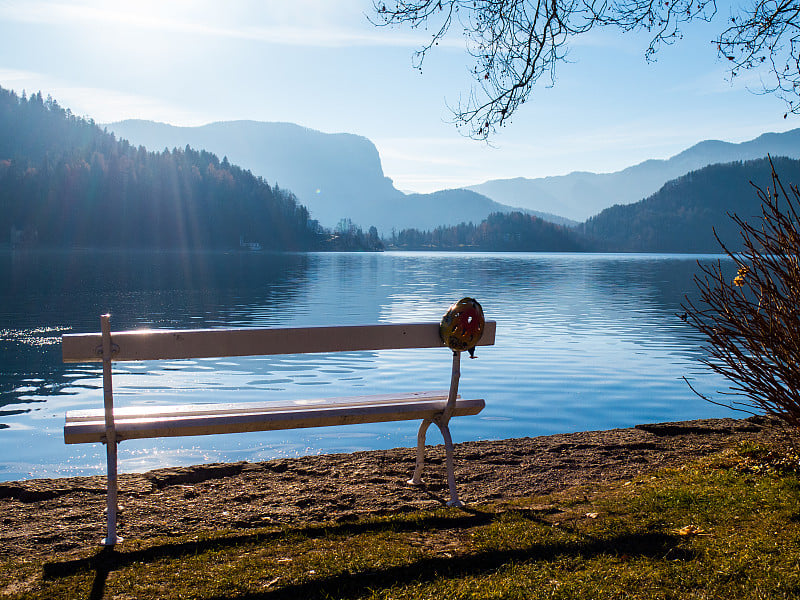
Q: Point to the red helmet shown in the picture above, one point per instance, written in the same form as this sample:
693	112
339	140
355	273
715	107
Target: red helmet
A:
462	325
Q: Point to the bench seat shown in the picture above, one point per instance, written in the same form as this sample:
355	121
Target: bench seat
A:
86	426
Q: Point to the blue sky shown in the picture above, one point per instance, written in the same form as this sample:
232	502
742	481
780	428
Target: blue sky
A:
321	64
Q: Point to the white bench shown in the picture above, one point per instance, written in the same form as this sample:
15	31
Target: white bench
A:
102	425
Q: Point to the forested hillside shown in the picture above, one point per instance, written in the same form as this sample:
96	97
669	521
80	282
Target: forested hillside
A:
64	182
501	232
682	215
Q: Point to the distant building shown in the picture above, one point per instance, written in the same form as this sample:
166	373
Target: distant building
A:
248	245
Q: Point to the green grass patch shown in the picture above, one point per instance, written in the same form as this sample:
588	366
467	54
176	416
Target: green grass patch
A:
725	527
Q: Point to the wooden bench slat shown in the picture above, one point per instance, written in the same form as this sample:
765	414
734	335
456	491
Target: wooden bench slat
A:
278	418
213	343
182	410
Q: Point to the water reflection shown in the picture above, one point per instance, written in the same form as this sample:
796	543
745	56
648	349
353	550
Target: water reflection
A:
584	342
49	293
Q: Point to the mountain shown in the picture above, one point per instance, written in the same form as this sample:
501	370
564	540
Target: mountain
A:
683	215
327	172
336	175
444	208
580	195
66	183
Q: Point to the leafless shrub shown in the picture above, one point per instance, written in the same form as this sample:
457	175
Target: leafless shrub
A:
752	322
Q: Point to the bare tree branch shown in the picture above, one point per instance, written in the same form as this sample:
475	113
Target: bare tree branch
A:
768	33
516	44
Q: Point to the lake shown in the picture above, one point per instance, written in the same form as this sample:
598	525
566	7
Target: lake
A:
584	341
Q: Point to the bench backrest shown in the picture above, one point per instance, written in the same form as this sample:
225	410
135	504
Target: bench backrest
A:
154	344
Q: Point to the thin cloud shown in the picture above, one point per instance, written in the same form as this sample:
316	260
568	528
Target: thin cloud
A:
15	75
325	34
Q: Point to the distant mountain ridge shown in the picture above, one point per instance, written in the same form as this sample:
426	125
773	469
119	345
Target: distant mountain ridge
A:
335	175
684	214
339	175
681	217
580	195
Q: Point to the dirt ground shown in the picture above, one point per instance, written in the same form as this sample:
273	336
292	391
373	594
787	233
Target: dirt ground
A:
44	515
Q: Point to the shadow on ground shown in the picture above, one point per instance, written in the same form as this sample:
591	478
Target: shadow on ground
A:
353	585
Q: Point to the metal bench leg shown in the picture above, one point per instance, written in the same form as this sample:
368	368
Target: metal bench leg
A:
441	421
416	479
111	538
111	436
451	475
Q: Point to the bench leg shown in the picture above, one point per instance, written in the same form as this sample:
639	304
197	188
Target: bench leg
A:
111	435
451	475
416	479
448	445
111	538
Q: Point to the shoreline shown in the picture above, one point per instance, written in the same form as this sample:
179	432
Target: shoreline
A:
44	515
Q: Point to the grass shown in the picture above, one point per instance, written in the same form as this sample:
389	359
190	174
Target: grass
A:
725	527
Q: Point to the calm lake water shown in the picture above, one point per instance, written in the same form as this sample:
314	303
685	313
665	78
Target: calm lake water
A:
584	341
